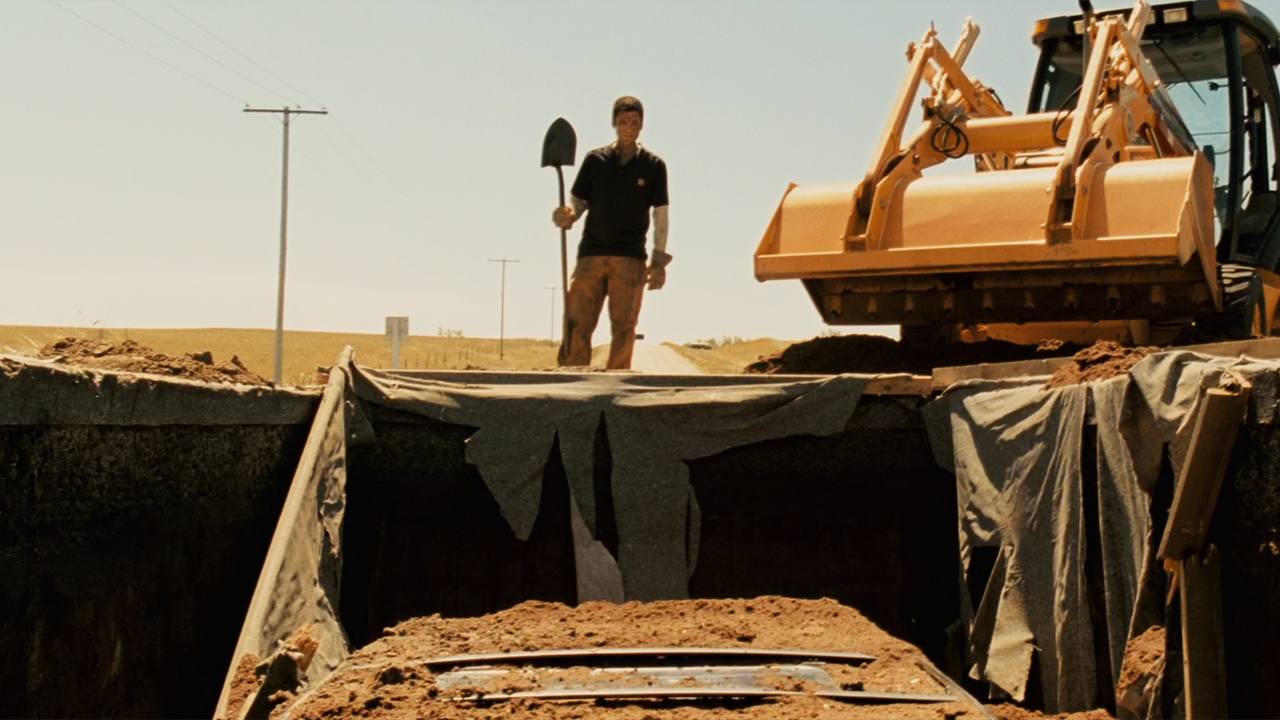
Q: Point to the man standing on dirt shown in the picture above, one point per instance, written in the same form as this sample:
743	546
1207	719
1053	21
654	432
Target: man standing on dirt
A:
616	187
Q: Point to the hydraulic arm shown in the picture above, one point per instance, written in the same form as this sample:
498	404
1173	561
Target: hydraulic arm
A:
1104	210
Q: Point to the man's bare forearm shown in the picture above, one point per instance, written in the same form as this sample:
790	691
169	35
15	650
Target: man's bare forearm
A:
566	216
661	223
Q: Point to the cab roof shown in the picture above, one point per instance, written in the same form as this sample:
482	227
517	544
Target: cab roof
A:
1196	11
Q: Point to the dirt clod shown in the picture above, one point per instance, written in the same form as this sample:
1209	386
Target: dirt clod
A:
1102	360
390	676
1142	671
129	356
1009	711
244	683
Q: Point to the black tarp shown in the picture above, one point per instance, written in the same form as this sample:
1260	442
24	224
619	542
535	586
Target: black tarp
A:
1017	450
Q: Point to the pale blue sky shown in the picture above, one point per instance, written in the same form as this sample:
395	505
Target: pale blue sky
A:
133	195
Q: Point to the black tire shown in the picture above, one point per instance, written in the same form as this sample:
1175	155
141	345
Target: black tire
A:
1244	306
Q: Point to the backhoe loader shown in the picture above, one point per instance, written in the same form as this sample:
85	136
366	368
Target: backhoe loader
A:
1137	192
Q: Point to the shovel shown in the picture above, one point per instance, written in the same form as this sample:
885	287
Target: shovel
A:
558	149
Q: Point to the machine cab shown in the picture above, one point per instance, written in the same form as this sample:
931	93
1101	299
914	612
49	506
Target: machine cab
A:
1216	59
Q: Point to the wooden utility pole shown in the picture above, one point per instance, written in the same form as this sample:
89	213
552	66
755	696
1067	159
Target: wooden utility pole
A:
502	326
285	111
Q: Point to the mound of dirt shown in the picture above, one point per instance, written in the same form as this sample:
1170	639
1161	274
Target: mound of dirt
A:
1103	360
388	678
876	354
129	356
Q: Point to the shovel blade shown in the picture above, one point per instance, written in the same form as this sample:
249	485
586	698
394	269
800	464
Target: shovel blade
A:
560	145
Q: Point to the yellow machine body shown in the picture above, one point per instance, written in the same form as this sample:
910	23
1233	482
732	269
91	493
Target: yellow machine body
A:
1113	222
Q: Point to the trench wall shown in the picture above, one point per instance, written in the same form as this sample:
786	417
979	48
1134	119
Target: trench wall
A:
129	544
135	516
423	535
865	517
1246	529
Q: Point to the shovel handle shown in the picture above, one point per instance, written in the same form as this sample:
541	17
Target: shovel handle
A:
564	269
564	248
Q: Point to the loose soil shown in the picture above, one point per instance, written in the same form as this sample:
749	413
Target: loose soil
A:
1103	360
243	683
1009	711
129	356
876	354
1142	668
387	679
1143	656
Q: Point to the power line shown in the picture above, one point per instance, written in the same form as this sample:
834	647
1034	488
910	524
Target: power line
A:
246	57
327	137
144	52
339	184
404	219
336	182
267	122
371	160
255	64
341	127
196	49
353	163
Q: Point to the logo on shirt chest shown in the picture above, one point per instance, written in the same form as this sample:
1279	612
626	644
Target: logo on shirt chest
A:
640	182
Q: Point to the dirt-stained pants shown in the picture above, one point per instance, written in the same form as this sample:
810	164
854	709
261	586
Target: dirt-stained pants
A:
622	280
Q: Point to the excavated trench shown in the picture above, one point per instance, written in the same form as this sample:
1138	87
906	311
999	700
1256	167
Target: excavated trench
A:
137	515
864	517
134	517
1246	527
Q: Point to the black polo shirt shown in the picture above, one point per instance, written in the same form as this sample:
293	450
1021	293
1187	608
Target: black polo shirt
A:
618	200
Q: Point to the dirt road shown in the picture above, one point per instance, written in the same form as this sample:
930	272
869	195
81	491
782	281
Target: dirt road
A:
661	360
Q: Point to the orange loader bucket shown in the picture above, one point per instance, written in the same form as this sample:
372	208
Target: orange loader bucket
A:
1113	222
979	240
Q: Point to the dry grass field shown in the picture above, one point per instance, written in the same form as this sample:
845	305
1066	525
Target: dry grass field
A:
731	357
305	351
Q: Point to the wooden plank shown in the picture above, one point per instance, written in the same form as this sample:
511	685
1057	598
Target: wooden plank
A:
895	384
1203	658
945	377
899	385
1222	410
1262	348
